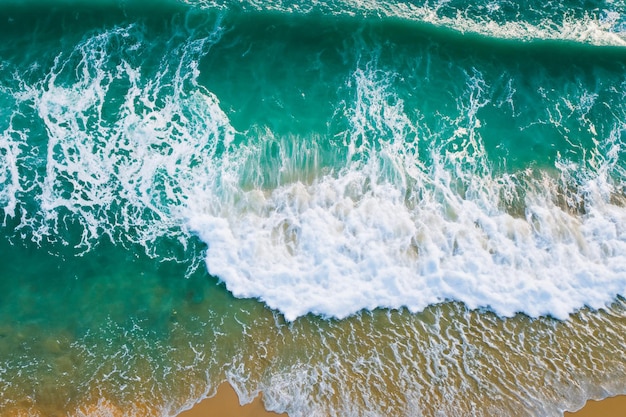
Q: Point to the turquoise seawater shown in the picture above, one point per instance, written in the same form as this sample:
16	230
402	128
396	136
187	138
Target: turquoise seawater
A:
359	208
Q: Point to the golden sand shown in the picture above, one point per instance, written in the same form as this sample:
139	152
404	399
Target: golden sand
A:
226	404
609	407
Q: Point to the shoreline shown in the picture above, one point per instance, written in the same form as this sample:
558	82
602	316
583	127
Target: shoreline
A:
608	407
225	403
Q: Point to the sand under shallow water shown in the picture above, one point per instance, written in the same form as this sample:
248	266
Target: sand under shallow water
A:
226	404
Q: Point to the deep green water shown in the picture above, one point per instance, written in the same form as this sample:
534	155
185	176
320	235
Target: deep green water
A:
358	208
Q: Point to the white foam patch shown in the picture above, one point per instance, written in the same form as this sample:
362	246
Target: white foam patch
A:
558	23
125	174
588	29
11	142
9	175
336	247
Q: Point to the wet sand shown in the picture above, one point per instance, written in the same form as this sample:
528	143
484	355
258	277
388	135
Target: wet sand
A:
226	404
610	407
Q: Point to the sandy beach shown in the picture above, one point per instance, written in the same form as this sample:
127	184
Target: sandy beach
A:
226	404
609	407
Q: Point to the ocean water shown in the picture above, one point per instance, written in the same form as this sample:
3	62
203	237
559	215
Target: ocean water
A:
358	208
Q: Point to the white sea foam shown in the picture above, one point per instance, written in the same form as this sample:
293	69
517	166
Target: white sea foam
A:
556	23
9	176
122	175
588	29
11	141
336	247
